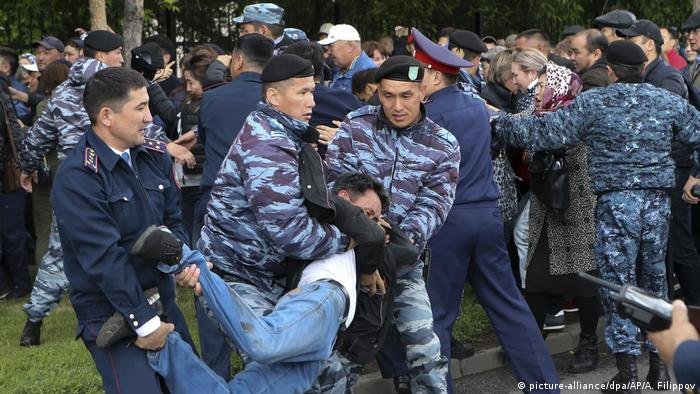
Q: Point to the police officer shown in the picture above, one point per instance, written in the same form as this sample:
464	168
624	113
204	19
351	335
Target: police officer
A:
468	46
109	189
266	19
615	19
628	127
470	246
682	254
417	161
60	127
256	219
222	113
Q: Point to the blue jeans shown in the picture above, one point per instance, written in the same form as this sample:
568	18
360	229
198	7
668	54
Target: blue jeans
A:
279	339
184	372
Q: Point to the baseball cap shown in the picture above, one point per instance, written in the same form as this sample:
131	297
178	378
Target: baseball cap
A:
325	28
269	13
643	27
341	33
49	42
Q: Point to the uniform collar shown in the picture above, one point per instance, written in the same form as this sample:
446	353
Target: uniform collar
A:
298	129
107	156
451	89
415	126
249	76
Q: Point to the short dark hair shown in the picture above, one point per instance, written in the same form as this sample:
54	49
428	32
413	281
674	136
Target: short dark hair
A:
628	73
361	79
359	183
89	52
110	87
310	51
255	48
536	34
9	56
446	31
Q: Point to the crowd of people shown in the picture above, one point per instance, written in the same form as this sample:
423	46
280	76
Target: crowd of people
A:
328	198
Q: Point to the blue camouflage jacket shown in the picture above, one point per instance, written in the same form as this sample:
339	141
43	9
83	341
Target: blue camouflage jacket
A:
64	120
257	217
418	166
628	128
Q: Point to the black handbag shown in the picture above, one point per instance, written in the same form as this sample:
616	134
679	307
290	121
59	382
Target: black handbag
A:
550	179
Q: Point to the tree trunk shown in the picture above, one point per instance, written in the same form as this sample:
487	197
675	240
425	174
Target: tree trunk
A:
696	5
133	27
98	15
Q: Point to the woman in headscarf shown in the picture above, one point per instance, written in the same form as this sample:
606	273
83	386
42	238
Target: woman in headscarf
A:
561	241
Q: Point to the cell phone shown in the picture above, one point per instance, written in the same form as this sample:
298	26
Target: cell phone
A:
695	191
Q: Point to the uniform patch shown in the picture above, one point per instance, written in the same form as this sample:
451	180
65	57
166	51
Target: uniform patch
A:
413	73
156	145
91	160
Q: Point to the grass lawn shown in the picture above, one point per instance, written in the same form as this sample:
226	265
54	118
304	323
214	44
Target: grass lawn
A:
63	365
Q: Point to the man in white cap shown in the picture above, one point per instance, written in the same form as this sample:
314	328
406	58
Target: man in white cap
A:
344	43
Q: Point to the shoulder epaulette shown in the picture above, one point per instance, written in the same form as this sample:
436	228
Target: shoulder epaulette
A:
156	145
91	160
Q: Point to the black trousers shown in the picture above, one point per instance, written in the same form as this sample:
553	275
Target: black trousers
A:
682	256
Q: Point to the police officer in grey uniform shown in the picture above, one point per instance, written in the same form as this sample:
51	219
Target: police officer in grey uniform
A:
628	127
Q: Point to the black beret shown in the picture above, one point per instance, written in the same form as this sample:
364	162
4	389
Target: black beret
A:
400	68
619	19
103	40
467	40
286	66
625	53
692	23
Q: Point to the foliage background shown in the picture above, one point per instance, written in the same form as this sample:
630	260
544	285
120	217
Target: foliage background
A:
188	21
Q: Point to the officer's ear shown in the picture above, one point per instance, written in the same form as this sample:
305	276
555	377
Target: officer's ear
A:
105	116
272	95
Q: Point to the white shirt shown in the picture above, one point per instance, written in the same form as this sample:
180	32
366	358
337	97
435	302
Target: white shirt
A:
339	267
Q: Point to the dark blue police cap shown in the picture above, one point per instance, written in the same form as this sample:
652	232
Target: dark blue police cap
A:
436	57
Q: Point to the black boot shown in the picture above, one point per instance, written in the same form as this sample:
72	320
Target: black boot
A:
626	375
586	354
116	327
158	243
658	373
31	335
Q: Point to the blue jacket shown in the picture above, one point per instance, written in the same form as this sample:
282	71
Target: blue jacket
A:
101	207
221	116
628	128
467	119
663	76
685	363
343	79
332	104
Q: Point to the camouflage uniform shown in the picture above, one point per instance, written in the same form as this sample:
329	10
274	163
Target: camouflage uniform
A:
628	129
419	168
256	218
59	127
